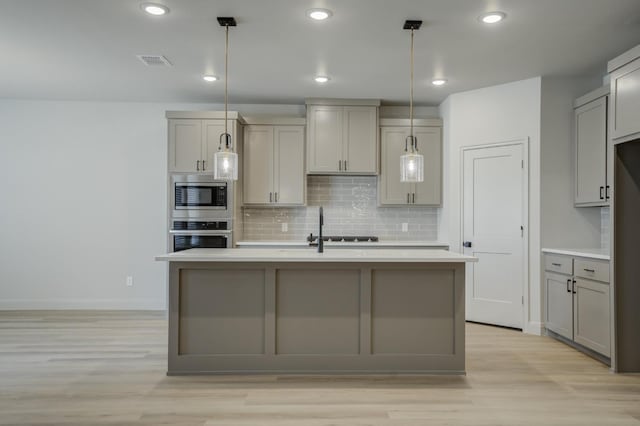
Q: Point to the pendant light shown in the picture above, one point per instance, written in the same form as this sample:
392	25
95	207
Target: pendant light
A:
225	160
411	162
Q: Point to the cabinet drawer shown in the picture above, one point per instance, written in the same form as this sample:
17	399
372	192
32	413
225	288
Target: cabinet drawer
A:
592	269
558	264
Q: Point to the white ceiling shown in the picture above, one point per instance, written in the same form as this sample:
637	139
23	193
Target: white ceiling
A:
86	49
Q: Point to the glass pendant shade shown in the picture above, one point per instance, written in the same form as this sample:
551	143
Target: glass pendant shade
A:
411	167
225	165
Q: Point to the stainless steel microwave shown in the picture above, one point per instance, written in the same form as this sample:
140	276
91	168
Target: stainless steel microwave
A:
201	196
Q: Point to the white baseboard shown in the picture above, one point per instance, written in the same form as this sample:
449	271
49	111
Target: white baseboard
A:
534	327
80	304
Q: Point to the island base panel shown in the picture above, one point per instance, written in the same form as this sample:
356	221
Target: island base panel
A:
235	318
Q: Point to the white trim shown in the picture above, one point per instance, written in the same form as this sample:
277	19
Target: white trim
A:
534	327
527	326
91	304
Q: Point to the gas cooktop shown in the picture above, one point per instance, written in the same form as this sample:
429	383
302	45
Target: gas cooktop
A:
343	239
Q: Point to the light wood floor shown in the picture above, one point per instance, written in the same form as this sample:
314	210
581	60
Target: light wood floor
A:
88	368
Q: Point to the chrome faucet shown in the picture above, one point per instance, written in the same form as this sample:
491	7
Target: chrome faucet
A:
320	241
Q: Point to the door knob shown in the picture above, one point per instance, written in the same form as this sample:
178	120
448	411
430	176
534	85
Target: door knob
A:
467	244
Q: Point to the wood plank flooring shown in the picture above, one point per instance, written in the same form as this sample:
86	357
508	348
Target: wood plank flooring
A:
87	368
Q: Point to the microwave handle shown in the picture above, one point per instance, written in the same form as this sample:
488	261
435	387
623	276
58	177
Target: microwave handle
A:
202	233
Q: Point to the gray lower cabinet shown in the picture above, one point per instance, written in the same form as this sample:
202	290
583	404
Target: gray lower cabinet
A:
577	303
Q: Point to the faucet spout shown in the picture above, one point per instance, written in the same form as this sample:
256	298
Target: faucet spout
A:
320	240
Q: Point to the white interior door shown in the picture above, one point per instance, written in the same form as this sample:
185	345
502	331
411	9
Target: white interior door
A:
494	194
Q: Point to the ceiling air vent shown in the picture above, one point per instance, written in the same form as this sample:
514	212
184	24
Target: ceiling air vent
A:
154	60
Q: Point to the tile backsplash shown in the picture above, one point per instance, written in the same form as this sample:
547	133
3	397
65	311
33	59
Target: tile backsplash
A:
349	209
605	234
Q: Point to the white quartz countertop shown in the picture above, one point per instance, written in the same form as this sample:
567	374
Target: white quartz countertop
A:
311	255
363	244
593	253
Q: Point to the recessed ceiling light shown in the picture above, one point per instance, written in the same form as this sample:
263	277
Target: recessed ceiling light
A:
492	17
321	79
154	9
438	81
210	78
319	14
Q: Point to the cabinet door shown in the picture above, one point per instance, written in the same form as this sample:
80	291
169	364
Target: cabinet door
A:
625	102
212	129
429	192
289	178
559	304
591	315
185	145
591	152
390	190
360	147
258	165
324	150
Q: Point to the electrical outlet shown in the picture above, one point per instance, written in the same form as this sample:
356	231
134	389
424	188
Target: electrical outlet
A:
129	281
285	227
405	227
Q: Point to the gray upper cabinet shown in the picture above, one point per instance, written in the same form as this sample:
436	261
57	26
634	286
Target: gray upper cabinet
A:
590	132
342	139
274	165
193	141
392	192
625	96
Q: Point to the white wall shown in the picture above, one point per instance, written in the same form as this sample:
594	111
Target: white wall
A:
491	115
84	202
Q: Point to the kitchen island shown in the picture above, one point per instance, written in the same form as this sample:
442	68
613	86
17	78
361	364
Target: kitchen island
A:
299	311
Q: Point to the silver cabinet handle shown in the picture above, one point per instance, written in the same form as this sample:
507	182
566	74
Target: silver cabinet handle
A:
203	163
413	198
345	165
276	197
557	264
198	165
590	270
271	197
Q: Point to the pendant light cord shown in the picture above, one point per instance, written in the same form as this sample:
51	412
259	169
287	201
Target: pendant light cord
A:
226	80
411	97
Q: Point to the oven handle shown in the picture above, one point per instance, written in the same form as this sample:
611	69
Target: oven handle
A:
188	232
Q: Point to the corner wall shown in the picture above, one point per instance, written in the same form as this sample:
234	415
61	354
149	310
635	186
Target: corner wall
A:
491	115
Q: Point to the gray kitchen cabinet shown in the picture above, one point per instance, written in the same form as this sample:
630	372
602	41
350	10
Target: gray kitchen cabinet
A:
590	133
625	95
274	165
192	142
392	192
342	139
577	303
559	304
591	315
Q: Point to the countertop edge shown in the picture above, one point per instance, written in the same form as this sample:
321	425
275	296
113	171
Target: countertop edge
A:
578	253
295	256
